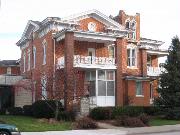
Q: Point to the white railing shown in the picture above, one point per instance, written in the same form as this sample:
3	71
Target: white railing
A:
9	80
89	62
154	71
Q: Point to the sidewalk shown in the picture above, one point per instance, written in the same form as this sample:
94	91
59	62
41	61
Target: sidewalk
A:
143	130
112	131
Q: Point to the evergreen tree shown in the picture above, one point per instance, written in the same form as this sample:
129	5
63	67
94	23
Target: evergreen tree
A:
169	89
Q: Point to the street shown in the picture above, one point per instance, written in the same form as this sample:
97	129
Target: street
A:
165	133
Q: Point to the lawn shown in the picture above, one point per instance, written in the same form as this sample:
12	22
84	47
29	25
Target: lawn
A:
160	122
29	124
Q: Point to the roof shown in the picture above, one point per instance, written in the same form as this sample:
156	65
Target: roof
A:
5	63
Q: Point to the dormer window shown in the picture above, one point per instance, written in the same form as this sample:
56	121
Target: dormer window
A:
127	24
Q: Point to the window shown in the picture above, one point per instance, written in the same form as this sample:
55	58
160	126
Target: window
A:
149	61
91	78
134	35
44	51
111	51
9	70
106	83
131	57
127	24
24	64
34	57
44	87
133	25
139	91
29	59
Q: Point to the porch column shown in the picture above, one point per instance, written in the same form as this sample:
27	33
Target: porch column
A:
120	53
144	62
69	73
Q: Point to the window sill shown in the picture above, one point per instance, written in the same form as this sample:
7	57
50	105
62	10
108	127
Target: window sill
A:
140	96
133	67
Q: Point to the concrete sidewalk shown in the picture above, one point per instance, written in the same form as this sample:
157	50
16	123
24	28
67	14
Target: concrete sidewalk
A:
116	131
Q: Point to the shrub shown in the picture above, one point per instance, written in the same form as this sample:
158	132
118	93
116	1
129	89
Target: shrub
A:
27	109
2	111
101	113
15	111
173	114
66	116
2	122
45	108
119	120
151	110
132	111
144	118
86	123
132	122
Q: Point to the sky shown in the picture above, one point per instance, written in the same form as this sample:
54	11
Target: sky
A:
160	19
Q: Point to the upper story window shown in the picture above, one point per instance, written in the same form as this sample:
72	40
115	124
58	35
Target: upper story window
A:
8	70
133	25
29	59
34	57
44	51
131	57
24	63
149	61
111	51
134	35
127	24
92	26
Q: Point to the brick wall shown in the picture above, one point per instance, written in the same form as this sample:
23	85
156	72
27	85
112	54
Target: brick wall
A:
15	70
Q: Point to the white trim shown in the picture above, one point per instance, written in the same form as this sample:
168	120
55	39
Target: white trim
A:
29	59
93	13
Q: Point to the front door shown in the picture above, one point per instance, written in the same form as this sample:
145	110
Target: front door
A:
92	55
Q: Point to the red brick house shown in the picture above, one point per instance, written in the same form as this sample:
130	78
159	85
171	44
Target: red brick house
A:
91	54
9	75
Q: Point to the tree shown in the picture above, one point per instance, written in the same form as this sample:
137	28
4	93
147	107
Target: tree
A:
169	88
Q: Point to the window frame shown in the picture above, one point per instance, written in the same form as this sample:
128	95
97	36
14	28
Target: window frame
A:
34	57
130	56
44	43
24	62
29	60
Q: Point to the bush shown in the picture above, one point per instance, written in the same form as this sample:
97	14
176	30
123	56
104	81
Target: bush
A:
2	111
133	122
151	110
27	110
15	111
119	120
86	123
132	111
144	118
173	114
101	113
66	116
45	108
2	122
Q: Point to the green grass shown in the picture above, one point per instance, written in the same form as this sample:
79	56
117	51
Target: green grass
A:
160	122
29	124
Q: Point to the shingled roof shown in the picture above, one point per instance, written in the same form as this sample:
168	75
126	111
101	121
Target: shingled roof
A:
9	63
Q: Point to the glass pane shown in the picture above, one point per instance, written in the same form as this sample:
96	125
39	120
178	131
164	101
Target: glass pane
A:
133	62
93	75
92	88
139	88
101	88
128	62
133	53
128	53
110	88
111	51
110	75
87	76
101	74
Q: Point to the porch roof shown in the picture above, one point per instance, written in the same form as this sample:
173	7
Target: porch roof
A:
90	36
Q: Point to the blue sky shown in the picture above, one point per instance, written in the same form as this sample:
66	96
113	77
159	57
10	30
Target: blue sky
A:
160	19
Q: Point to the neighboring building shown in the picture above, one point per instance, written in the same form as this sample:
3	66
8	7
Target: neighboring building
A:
91	54
9	75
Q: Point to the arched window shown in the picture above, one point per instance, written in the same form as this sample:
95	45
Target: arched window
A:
34	57
127	24
44	51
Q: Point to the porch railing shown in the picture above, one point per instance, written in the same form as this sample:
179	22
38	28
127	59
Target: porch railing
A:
85	61
154	71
